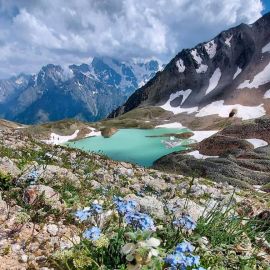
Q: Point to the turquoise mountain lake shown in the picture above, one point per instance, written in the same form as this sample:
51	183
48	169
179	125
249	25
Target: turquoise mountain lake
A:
131	145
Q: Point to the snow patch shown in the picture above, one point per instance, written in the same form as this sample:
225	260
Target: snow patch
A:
19	80
200	135
213	82
180	65
211	48
202	68
260	79
58	139
244	112
266	48
238	71
228	40
93	132
257	142
197	155
170	125
267	94
185	93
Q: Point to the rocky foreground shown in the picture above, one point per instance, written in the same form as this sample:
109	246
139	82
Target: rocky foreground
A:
42	187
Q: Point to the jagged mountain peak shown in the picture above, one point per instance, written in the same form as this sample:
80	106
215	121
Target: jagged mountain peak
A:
77	91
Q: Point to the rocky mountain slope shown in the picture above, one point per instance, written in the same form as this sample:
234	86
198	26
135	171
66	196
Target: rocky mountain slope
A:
46	193
227	76
78	92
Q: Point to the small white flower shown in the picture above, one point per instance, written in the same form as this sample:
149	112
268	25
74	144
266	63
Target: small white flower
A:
128	248
152	242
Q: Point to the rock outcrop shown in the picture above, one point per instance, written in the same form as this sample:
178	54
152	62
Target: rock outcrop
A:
239	163
108	132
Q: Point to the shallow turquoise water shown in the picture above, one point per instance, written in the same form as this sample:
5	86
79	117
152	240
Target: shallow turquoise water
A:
131	145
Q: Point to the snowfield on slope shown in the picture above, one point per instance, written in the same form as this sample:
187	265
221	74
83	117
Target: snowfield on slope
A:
214	80
211	48
180	65
266	48
200	135
257	142
217	108
244	112
170	125
197	155
93	132
228	40
260	79
58	139
267	94
185	94
202	68
238	71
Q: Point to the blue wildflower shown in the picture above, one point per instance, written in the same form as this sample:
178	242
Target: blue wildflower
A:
140	221
192	260
87	212
124	206
92	233
96	208
83	214
182	258
186	222
185	246
176	259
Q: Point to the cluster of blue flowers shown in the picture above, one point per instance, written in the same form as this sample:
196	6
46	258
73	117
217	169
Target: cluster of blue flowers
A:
185	222
182	258
127	208
140	221
92	233
124	206
86	213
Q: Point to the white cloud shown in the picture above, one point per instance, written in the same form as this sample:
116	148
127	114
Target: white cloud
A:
64	32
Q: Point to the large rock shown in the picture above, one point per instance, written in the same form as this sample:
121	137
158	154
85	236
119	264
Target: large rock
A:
52	173
258	128
150	205
186	206
7	166
218	145
108	132
51	197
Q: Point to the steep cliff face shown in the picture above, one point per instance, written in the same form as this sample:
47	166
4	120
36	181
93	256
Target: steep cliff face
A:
230	73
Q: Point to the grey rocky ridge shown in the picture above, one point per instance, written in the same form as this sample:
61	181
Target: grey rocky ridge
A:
228	75
78	91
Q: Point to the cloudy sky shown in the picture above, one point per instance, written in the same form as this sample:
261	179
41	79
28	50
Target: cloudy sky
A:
37	32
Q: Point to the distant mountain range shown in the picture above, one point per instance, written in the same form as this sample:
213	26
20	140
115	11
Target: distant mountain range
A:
227	76
85	92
